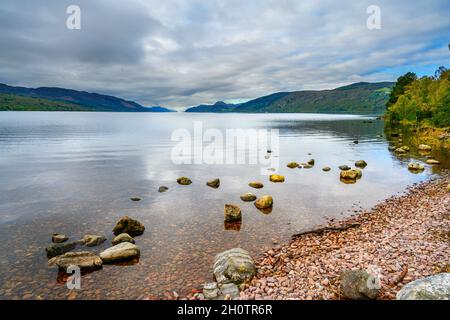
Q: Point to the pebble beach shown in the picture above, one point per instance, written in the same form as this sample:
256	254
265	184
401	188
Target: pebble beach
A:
403	239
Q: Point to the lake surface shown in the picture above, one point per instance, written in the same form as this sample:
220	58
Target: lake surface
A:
74	173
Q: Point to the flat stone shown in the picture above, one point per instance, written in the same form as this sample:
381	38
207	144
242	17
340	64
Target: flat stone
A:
59	238
123	237
84	260
59	249
120	252
91	240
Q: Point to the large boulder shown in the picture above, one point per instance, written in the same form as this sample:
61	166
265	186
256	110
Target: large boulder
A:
232	213
264	202
276	178
123	237
130	226
92	240
120	252
59	249
215	183
359	285
84	260
234	265
435	287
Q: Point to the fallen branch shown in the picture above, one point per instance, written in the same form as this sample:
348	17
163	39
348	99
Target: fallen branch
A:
328	228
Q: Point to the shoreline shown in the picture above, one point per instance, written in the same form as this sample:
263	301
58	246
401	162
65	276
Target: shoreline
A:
405	237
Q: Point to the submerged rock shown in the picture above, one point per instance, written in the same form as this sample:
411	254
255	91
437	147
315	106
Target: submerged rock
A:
276	178
215	183
120	252
163	189
424	147
361	164
123	237
415	166
59	238
233	225
435	287
232	213
344	167
184	181
91	240
256	184
359	285
292	165
264	202
130	226
59	249
234	265
248	196
326	169
84	260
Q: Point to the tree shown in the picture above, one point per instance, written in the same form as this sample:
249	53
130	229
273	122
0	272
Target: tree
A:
400	86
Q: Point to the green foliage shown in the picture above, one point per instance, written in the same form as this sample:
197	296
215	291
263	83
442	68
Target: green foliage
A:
423	100
400	86
11	102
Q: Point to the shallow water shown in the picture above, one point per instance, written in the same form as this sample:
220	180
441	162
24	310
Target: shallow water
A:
74	173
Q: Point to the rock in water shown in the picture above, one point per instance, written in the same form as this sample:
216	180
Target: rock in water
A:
163	189
326	169
292	165
91	240
351	174
232	213
248	197
234	265
264	202
276	178
359	285
184	181
123	237
59	238
59	249
84	260
361	164
215	183
256	184
435	287
120	252
135	199
311	162
306	166
424	147
415	166
130	226
344	167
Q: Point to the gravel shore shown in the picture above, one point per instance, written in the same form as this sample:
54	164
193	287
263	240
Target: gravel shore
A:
405	238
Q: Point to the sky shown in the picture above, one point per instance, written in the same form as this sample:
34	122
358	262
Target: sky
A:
179	53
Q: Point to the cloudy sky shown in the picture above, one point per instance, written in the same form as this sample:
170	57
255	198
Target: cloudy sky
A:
179	53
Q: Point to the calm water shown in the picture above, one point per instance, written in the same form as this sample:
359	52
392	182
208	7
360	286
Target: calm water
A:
74	173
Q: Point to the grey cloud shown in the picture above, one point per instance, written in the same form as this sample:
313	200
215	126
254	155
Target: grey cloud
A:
179	53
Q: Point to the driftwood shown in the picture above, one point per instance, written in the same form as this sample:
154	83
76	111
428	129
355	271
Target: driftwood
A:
401	276
328	228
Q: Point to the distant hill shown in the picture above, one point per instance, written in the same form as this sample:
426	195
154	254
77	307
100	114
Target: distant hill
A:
159	109
219	106
59	99
357	98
